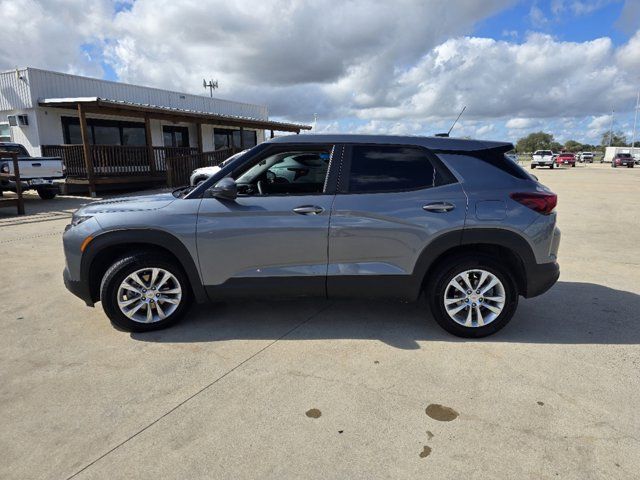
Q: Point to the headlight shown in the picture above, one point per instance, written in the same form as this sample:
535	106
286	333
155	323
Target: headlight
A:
78	219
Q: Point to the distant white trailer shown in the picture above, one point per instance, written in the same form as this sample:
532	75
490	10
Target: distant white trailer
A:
611	152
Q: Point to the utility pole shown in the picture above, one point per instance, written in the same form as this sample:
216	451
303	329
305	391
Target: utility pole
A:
611	127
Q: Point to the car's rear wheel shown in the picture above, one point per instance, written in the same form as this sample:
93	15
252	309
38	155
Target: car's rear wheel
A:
551	166
144	292
472	296
46	193
532	166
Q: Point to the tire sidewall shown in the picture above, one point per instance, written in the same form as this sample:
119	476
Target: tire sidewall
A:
126	266
446	273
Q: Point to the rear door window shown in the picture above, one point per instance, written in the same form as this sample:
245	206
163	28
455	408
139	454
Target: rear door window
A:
390	168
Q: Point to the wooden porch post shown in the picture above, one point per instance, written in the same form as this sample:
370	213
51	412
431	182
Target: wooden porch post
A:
199	136
271	133
86	149
149	142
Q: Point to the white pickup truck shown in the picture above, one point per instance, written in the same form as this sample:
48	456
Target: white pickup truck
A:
39	173
542	158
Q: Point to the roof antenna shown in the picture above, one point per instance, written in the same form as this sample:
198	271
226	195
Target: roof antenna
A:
454	124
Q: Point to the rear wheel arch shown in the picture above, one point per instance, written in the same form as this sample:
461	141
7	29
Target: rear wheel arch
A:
105	249
503	245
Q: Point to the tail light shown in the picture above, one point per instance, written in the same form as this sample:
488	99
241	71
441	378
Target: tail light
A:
543	203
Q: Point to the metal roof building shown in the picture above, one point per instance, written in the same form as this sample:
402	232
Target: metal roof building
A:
106	130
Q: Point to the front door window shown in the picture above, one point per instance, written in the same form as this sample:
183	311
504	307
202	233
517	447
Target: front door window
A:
286	173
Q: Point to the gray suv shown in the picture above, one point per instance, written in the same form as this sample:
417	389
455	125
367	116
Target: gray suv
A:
329	216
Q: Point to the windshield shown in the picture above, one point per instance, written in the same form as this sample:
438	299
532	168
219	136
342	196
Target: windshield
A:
543	152
624	155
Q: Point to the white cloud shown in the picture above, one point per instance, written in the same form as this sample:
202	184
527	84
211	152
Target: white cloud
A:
520	123
51	33
540	78
404	67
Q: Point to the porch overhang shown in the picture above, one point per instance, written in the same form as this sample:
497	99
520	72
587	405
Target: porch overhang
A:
116	107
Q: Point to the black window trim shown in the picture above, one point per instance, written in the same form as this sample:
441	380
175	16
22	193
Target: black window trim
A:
100	122
329	187
345	169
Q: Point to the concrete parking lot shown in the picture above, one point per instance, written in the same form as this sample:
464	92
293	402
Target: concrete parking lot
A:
326	389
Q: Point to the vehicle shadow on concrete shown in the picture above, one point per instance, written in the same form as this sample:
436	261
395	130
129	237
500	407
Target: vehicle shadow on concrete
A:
570	313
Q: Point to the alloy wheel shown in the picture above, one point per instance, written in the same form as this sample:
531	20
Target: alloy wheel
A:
474	298
149	295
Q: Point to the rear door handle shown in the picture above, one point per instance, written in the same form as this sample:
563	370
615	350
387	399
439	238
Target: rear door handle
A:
309	210
438	207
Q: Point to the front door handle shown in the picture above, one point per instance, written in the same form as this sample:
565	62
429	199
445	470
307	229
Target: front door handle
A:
309	210
438	207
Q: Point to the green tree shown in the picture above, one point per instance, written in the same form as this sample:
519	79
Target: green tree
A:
618	139
555	146
535	141
573	146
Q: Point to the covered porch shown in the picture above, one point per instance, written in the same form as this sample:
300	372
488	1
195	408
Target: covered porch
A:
91	162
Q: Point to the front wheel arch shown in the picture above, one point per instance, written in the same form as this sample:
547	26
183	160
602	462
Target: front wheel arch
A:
107	248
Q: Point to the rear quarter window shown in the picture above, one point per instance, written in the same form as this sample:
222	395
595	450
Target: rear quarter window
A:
496	158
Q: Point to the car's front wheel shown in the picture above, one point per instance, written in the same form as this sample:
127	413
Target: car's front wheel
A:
143	292
472	296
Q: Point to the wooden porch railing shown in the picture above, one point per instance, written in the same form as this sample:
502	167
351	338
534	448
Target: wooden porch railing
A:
15	177
179	168
119	162
115	160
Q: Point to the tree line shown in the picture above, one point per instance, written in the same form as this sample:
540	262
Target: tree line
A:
545	141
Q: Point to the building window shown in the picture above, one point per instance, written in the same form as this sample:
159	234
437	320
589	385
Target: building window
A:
227	138
175	136
5	132
105	132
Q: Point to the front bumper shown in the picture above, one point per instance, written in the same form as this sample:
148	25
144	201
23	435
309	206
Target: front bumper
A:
541	277
79	289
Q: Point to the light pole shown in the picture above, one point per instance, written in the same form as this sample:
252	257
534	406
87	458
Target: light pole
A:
315	122
635	119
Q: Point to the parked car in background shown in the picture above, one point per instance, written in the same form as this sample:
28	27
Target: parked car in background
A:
41	174
542	158
566	158
199	175
623	160
328	216
586	157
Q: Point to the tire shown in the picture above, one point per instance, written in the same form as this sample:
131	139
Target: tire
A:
573	165
121	269
438	287
533	167
46	193
551	166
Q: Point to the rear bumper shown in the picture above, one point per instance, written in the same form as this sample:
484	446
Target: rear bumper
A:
541	277
79	289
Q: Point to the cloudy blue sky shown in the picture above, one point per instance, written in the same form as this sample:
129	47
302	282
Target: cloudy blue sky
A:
404	67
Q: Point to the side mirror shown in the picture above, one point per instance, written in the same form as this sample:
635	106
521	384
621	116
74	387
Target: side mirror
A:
225	189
